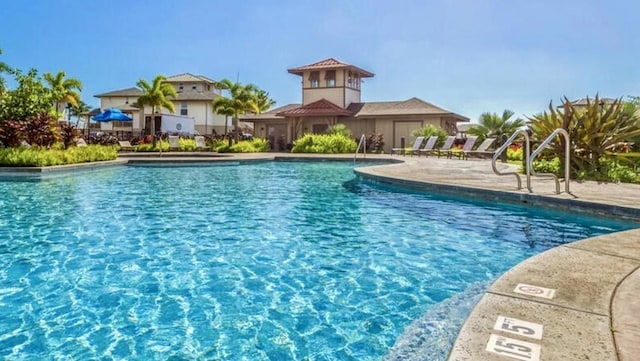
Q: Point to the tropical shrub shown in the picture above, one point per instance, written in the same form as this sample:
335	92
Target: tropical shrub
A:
515	152
41	130
431	130
552	166
324	143
257	145
375	143
68	134
492	125
42	157
594	130
11	133
339	129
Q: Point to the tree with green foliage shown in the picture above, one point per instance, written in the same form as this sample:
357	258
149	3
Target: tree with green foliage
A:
4	68
262	101
430	130
241	101
63	91
157	95
80	110
28	100
492	125
339	129
595	130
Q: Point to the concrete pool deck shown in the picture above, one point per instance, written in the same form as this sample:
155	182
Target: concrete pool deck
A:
579	301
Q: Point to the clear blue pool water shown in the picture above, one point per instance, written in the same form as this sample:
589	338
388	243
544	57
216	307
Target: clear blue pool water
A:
265	261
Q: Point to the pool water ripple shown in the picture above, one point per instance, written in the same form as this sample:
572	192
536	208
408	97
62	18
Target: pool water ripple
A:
268	261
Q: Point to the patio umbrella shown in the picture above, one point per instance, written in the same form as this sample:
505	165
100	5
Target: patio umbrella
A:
112	114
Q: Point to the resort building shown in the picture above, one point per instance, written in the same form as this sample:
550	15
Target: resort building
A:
331	94
195	96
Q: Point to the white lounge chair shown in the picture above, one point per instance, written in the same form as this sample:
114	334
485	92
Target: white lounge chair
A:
200	143
446	147
80	142
428	147
416	146
460	153
174	142
125	146
481	150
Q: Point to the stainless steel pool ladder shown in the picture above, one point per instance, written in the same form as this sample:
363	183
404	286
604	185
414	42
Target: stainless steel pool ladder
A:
520	131
529	157
567	159
362	143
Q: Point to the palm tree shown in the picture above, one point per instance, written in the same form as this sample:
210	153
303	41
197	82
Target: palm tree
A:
242	100
493	125
79	110
63	90
262	101
157	96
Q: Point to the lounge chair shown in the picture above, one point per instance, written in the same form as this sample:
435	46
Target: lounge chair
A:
125	146
468	146
481	150
416	146
200	143
174	142
428	147
80	142
446	147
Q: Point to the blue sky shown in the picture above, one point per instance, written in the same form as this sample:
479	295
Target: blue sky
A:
468	56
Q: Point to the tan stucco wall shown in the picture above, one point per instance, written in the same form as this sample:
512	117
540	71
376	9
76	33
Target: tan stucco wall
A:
351	96
339	95
334	95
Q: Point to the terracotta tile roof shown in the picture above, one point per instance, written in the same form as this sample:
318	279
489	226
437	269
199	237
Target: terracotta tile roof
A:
270	115
129	92
321	107
412	106
330	63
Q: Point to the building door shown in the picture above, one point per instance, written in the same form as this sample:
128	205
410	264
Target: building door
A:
277	136
404	130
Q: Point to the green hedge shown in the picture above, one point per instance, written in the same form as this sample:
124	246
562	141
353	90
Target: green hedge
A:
42	157
324	143
257	145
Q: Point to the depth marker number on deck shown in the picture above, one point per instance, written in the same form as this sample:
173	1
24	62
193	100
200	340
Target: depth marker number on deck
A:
518	327
510	347
535	291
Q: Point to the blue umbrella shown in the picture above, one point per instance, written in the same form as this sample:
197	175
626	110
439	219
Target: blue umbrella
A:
112	114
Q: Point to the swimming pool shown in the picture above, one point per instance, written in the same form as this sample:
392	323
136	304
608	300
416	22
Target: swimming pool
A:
264	261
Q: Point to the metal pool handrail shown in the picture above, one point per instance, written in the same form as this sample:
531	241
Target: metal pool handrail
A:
567	159
524	131
363	143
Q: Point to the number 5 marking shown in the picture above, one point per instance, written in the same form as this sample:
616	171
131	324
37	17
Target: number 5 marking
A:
519	327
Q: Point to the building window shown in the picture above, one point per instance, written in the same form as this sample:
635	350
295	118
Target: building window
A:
314	78
356	81
320	128
349	79
183	109
330	77
193	87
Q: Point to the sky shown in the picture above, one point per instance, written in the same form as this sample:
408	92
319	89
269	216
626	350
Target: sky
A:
467	56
